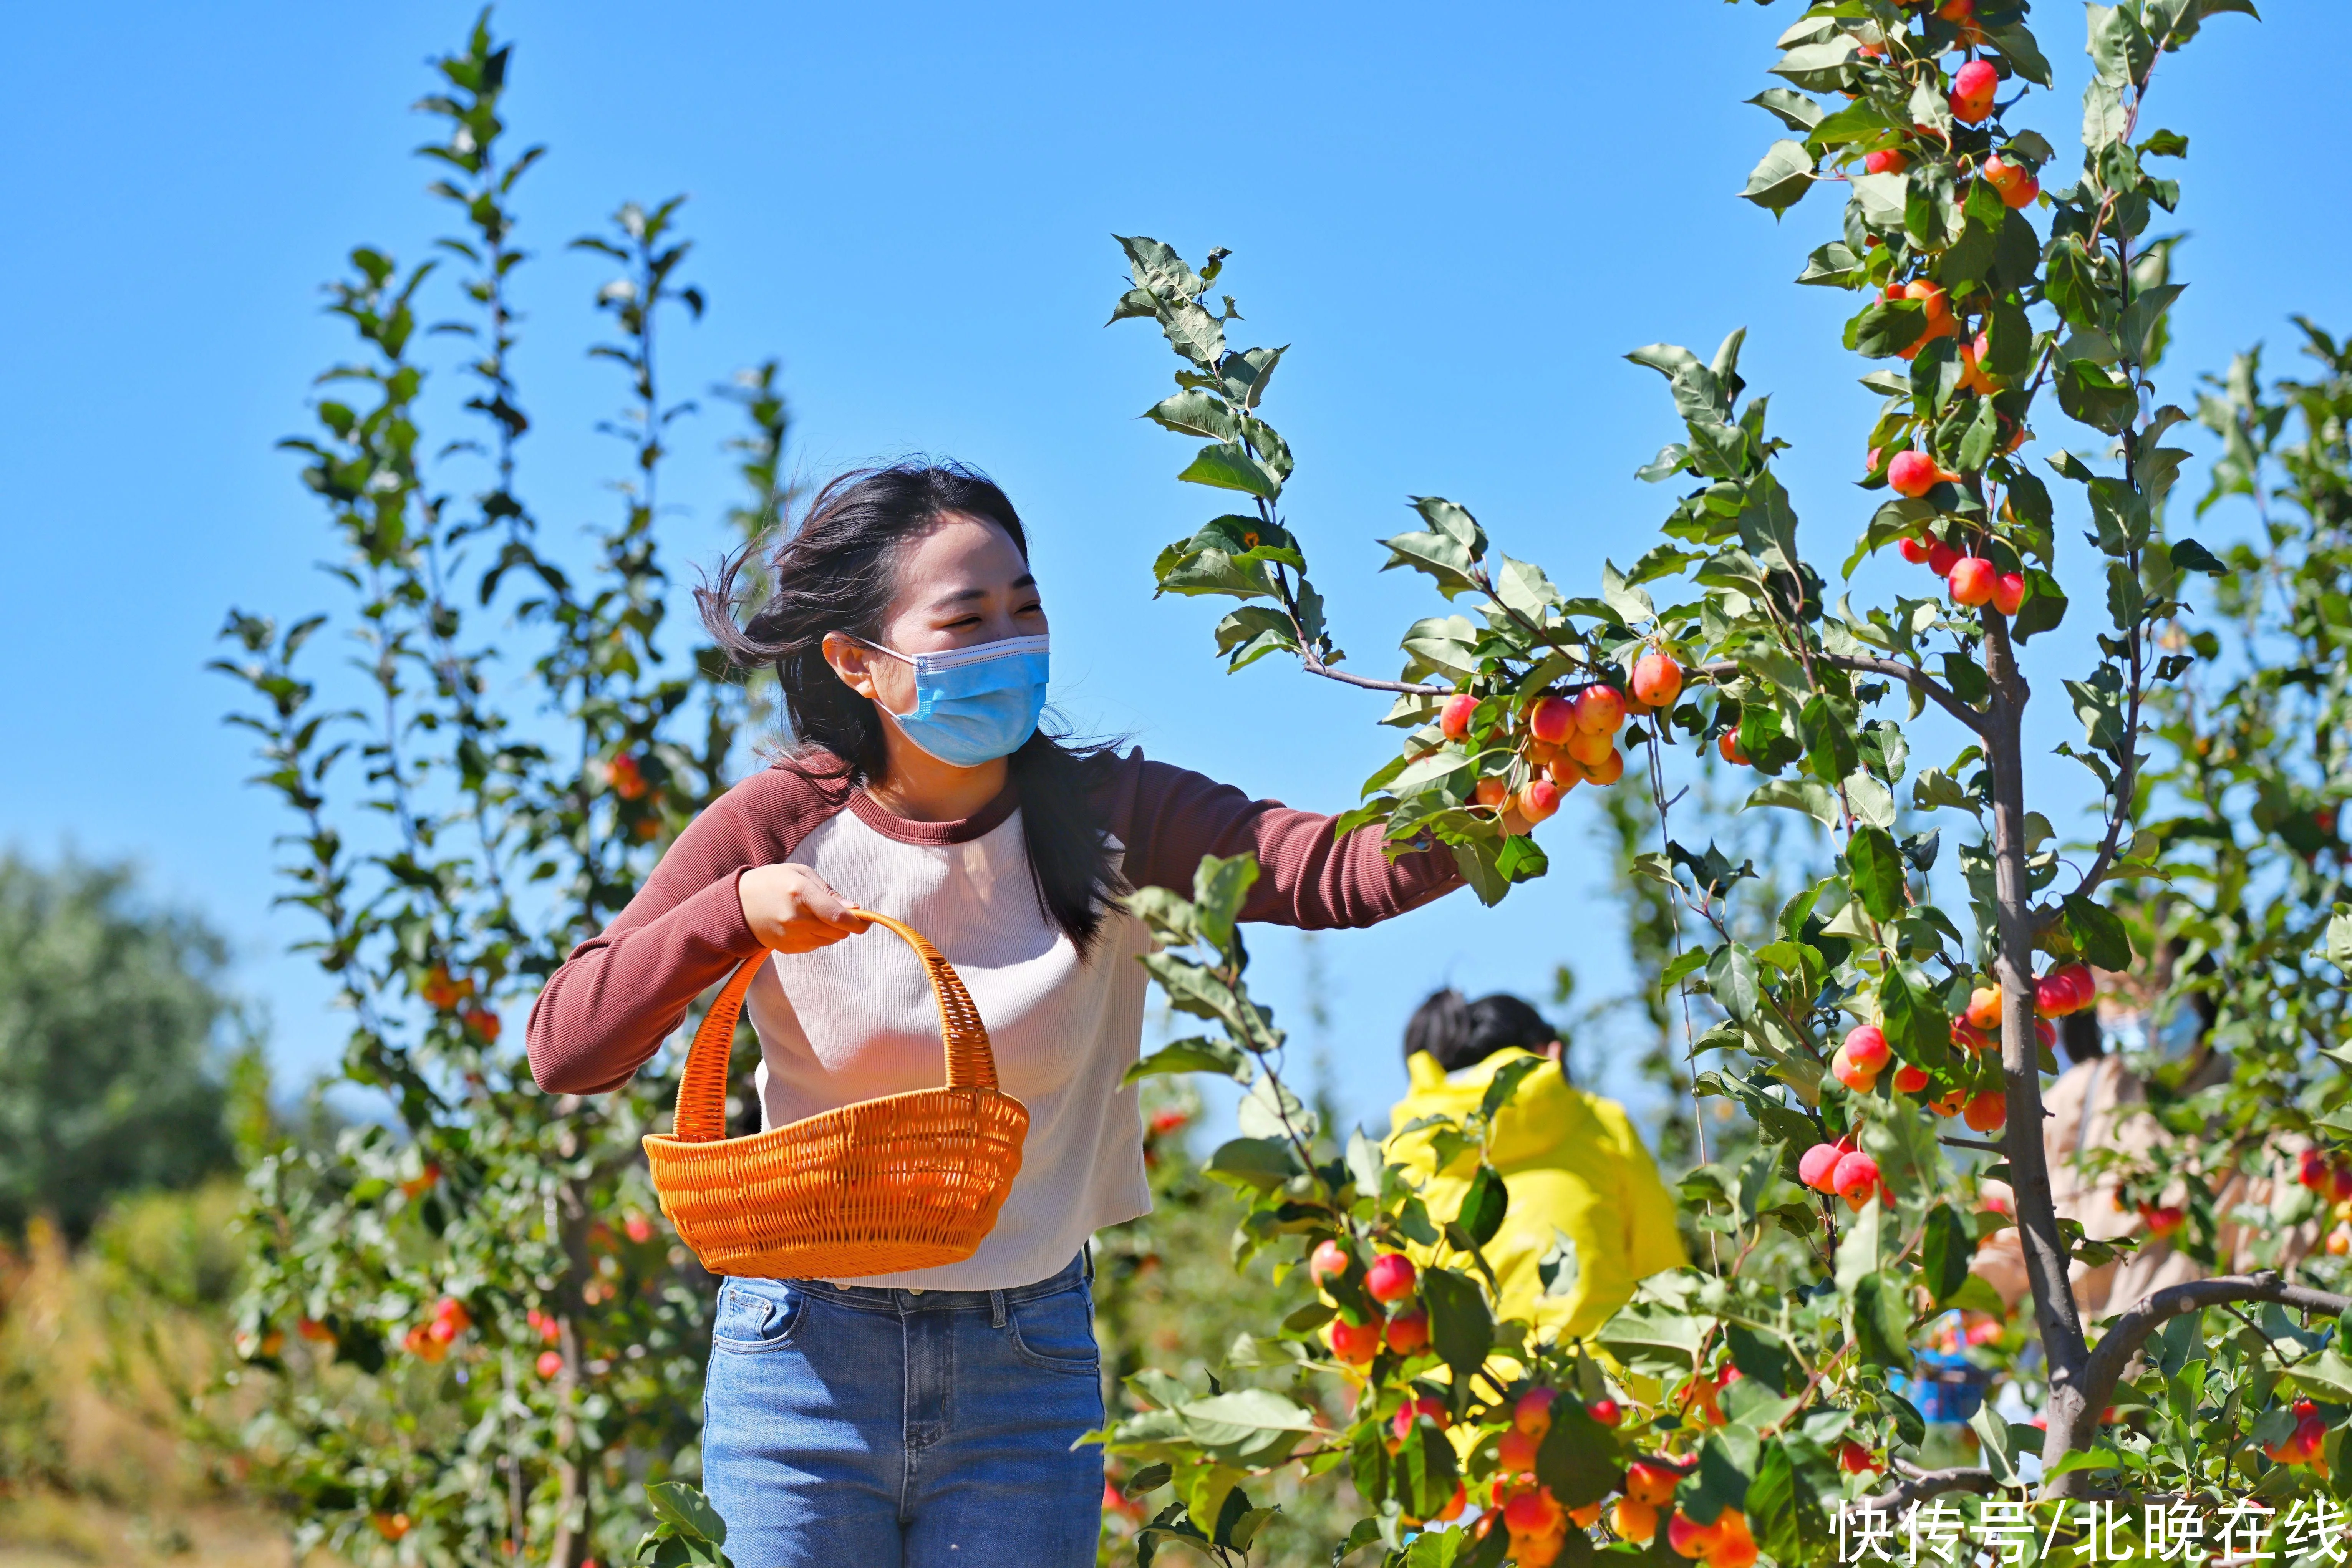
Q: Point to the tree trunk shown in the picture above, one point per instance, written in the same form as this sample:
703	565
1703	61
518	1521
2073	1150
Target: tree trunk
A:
2047	1261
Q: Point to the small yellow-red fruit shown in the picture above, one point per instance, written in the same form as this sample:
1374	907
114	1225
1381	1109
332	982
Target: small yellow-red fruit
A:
1972	581
1912	473
1408	1332
1390	1278
1973	87
1453	719
1551	720
1866	1047
1600	709
1657	678
1635	1520
1650	1482
1355	1343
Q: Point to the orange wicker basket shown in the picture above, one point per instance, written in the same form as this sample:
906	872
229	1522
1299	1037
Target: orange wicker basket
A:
908	1181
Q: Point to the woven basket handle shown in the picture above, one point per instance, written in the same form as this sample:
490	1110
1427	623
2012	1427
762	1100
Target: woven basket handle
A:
702	1084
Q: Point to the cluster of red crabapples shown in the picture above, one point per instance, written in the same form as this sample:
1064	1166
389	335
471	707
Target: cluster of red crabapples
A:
1564	741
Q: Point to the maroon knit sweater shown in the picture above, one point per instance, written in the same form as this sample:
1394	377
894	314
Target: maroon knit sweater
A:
621	993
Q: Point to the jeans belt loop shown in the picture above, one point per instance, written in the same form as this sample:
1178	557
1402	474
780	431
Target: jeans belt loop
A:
996	1308
1087	1254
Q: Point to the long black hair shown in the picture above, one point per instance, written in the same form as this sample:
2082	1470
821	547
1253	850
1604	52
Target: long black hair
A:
837	571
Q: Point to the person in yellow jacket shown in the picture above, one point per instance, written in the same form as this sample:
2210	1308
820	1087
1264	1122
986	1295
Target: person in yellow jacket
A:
1571	1162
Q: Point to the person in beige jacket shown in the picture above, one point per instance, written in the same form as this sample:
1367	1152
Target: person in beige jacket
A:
2098	1103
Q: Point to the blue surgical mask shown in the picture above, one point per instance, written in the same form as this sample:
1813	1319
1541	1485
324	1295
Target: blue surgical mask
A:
973	705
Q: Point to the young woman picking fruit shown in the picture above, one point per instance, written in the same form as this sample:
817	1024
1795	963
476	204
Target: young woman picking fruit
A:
927	1417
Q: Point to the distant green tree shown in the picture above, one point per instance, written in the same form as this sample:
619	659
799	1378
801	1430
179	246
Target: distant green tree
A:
110	1010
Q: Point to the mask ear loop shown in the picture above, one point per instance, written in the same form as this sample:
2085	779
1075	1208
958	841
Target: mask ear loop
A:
875	646
855	641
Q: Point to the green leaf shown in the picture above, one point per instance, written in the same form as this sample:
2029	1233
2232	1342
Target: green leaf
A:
1653	1338
2099	934
1243	375
1885	328
1194	412
1881	1320
2339	945
1914	1020
2044	607
1248	1420
1505	1083
2089	392
1819	68
1477	862
1192	332
2017	44
1155	265
2328	1378
1196	1054
1484	1206
1577	1459
1433	1549
2001	1441
1250	633
1270	1111
2120	47
1858	1248
1221	886
1782	178
1522	586
2082	1459
1759	1356
1461	1329
1832	265
1261	1162
1734	981
1441	556
1793	109
1227	465
1629	601
1977	441
2099	706
1946	1251
1877	869
1786	1513
1426	1470
2187	555
1726	1468
1806	794
687	1511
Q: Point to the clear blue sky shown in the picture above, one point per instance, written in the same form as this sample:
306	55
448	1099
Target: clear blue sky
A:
1460	220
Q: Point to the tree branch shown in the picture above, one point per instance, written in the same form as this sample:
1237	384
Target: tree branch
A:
1921	1485
1918	679
1927	685
1315	665
2131	1332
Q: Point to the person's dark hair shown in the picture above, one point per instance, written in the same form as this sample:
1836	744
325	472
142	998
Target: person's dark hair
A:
1461	1033
2079	1033
837	571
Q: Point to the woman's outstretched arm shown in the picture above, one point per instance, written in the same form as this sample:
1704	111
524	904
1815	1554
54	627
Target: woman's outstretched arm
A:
1310	877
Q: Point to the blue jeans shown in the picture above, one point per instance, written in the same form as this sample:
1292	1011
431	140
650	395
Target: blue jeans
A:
856	1428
